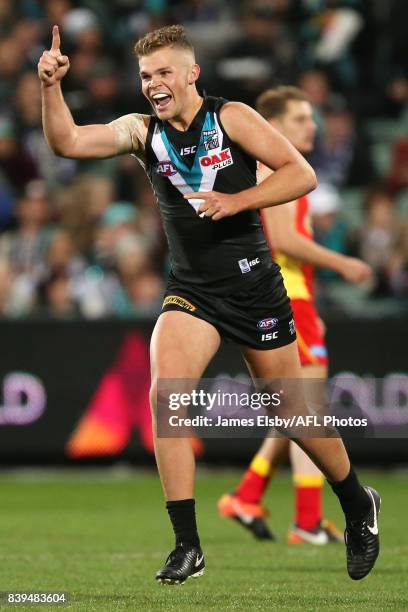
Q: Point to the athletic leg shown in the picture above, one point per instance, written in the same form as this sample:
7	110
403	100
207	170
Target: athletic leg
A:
329	454
309	525
360	505
182	346
308	482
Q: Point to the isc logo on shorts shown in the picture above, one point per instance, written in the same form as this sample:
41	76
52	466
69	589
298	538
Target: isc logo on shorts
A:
269	337
217	161
179	301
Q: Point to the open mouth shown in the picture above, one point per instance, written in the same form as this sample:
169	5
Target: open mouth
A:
161	101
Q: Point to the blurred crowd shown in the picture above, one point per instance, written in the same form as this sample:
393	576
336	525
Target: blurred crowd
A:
85	239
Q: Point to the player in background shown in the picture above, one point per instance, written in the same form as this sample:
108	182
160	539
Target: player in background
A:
290	236
200	154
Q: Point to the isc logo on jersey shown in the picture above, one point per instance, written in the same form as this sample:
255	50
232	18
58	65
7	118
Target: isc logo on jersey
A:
217	161
166	168
188	150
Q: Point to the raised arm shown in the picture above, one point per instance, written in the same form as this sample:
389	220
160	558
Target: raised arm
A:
66	138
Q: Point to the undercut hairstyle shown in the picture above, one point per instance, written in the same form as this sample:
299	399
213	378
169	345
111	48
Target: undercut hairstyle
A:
273	102
169	36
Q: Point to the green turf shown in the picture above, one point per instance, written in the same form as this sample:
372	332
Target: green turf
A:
101	538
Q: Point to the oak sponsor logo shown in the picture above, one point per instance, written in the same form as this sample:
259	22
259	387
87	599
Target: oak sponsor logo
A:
217	161
166	168
176	300
268	323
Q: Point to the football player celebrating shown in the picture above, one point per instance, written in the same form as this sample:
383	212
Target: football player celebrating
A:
200	155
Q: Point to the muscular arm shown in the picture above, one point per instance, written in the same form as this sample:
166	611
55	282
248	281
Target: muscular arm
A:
292	177
65	138
280	229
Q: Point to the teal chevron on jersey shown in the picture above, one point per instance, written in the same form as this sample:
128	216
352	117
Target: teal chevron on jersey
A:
203	158
192	176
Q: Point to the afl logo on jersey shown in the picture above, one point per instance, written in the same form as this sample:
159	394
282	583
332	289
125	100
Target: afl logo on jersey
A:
166	168
268	323
217	161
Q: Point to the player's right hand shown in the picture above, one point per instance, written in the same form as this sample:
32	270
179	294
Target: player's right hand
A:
356	271
53	66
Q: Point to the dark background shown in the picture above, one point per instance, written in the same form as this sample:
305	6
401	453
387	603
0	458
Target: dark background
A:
71	358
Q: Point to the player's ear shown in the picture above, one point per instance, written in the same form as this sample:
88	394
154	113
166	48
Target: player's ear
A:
194	74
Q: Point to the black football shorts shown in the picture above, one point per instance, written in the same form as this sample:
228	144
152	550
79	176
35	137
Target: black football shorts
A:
258	317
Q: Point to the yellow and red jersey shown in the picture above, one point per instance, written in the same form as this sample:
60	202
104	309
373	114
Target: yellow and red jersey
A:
298	275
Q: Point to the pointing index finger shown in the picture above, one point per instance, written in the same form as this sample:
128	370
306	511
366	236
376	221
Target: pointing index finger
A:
56	39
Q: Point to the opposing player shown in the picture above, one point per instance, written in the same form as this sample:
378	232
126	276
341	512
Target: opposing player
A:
199	154
289	233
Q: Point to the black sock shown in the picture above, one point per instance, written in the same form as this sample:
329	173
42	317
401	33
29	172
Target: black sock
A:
353	498
183	519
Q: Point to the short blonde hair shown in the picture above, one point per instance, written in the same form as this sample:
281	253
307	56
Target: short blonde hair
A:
169	36
273	102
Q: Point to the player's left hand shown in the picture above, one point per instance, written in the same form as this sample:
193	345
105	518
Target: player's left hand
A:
217	205
356	271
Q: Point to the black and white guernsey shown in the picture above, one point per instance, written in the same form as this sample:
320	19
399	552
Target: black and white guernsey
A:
219	256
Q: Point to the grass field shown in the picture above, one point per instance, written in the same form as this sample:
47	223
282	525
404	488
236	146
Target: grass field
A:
101	538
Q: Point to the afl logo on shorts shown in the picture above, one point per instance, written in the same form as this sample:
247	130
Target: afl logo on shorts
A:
166	168
176	300
268	323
